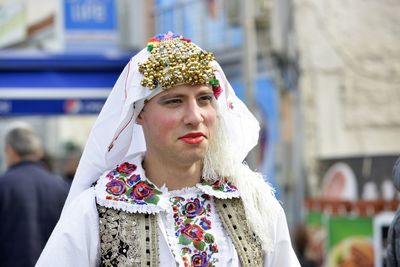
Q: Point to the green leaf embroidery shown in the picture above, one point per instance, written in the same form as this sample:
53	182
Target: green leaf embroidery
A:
153	200
184	240
199	245
209	238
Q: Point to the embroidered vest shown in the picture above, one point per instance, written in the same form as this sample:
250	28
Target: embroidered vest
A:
130	239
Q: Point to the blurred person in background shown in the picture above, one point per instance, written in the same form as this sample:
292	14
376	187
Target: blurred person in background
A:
47	160
31	199
161	180
302	245
71	161
393	246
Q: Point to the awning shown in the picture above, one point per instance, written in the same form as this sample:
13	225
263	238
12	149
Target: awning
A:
33	83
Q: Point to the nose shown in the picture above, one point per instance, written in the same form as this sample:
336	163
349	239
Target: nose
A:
193	114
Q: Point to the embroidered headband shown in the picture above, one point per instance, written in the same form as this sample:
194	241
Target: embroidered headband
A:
176	60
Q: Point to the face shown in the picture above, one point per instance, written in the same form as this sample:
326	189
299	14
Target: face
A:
179	123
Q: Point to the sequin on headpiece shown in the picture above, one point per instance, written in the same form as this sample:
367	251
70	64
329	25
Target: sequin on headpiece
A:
176	60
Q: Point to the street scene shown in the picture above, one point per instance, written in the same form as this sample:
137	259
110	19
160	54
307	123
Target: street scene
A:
302	95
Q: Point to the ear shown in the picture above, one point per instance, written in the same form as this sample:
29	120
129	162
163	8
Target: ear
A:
139	119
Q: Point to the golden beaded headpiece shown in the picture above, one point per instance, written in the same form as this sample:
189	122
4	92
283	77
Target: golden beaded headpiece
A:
176	60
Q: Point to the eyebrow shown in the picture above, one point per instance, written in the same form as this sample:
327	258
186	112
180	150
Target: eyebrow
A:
180	95
167	96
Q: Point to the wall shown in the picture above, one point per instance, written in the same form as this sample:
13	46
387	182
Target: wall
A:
350	78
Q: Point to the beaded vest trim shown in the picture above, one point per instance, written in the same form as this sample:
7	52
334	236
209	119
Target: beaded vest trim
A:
127	239
247	244
130	239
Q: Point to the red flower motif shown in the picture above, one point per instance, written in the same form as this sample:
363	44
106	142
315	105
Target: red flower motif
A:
126	168
193	232
199	259
214	248
133	179
192	209
116	187
217	91
142	191
205	224
206	196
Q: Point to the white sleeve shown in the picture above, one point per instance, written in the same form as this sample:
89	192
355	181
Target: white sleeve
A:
283	254
75	240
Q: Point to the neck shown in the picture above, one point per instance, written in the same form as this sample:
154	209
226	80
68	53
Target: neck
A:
174	176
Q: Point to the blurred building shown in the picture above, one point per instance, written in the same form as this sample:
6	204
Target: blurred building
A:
339	75
238	33
348	56
60	59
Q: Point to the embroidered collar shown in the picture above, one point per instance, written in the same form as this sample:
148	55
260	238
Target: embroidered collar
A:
126	187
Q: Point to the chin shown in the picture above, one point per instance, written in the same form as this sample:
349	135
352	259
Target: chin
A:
191	157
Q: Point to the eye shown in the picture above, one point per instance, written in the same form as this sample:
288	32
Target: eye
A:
171	101
205	98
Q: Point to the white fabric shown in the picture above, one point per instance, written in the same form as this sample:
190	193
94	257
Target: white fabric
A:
116	125
75	240
166	223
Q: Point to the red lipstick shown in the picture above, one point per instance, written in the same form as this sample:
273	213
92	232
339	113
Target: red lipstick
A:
193	138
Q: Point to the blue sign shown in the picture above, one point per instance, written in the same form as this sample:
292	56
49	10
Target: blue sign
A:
20	107
90	15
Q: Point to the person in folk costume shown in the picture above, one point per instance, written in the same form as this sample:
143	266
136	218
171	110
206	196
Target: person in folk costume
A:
162	181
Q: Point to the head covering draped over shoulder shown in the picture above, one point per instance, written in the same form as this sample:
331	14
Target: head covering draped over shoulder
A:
168	60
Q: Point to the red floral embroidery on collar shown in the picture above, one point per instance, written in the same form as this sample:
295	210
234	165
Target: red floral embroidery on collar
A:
126	186
221	185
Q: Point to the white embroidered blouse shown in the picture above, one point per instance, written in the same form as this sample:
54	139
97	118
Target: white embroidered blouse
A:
190	231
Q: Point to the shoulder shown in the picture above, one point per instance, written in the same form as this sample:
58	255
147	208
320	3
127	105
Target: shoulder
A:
9	180
81	210
75	239
126	188
263	210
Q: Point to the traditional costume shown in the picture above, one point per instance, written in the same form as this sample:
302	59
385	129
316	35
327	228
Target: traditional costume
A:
230	218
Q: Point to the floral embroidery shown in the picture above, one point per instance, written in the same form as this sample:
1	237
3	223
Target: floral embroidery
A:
116	187
222	185
126	186
193	230
126	168
192	209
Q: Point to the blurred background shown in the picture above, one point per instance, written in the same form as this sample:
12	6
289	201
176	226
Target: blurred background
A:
322	77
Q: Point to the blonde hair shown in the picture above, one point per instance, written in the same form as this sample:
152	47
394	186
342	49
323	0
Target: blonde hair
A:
257	195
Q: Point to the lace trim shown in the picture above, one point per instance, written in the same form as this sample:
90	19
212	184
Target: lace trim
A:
180	192
131	208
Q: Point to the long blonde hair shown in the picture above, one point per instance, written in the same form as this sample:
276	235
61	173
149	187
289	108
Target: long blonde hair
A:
257	195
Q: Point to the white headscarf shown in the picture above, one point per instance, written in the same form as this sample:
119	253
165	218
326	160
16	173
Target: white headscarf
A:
115	136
